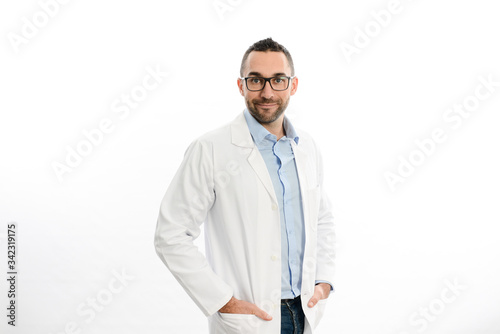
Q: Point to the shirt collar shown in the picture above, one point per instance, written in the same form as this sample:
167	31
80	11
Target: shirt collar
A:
259	133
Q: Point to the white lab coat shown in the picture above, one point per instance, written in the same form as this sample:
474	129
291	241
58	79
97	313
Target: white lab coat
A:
223	181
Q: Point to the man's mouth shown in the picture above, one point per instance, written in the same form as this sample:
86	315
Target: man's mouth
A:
266	105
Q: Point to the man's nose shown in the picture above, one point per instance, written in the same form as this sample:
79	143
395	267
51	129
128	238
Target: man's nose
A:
267	92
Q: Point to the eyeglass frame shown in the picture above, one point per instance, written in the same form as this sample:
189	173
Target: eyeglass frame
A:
266	80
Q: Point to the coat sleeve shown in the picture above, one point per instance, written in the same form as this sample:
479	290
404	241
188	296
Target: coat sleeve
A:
183	209
325	267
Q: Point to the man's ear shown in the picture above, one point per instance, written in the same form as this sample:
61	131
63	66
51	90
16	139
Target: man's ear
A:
240	86
295	83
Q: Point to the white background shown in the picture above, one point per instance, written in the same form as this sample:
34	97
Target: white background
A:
396	250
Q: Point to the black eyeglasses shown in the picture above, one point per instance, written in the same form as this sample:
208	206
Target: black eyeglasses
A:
254	84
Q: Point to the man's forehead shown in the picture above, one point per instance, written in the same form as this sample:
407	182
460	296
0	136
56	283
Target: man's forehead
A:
267	63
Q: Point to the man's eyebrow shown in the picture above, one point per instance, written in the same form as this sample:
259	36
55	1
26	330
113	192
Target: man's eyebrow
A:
258	74
254	74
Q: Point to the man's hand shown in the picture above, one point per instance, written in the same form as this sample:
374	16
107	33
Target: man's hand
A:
321	291
242	307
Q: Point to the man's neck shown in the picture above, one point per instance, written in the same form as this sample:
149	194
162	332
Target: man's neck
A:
276	128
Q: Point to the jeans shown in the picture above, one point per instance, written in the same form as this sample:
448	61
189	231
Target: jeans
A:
292	316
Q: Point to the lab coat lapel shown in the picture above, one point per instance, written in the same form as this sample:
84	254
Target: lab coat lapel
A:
301	164
259	166
240	136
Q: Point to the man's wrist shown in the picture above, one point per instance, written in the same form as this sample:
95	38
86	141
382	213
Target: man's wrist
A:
331	285
227	305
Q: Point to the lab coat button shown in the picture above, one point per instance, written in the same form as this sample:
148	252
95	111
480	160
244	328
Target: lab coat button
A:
274	207
274	257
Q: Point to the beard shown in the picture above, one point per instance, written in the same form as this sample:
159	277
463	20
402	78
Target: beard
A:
262	116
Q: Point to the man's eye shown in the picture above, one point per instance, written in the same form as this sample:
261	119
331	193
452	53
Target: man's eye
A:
278	80
255	80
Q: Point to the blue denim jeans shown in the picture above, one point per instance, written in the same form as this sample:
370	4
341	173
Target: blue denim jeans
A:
292	316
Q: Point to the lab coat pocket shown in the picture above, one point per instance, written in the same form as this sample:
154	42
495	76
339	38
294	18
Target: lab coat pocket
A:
320	310
233	323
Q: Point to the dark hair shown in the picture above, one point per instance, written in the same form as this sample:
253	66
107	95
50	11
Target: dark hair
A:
267	45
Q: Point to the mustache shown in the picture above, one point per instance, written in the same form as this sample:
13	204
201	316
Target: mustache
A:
264	100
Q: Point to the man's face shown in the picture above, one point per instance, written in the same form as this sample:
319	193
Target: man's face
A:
267	105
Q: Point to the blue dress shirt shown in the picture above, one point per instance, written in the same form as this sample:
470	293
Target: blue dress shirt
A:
280	161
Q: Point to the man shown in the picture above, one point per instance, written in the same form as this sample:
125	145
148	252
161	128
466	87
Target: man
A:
257	183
